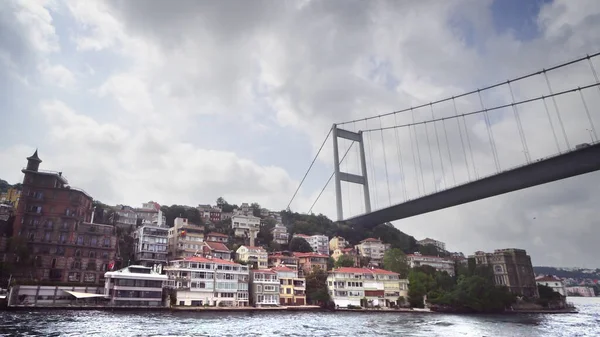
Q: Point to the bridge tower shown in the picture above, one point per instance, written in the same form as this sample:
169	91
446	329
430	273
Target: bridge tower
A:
348	177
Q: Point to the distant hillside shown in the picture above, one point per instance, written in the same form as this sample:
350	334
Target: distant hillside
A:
574	273
320	224
4	186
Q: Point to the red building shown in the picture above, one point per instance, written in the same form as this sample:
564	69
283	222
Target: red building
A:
53	221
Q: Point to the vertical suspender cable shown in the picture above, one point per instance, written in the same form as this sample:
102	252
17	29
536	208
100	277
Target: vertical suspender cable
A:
470	148
362	207
594	72
557	111
400	161
462	142
551	124
449	152
418	152
387	178
372	160
519	125
488	125
437	139
430	156
587	112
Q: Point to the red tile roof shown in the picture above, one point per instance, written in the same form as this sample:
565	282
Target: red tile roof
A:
298	254
547	279
255	247
217	234
283	269
218	246
263	271
302	235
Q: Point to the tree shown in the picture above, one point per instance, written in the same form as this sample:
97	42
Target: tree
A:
300	245
395	260
430	250
316	287
255	209
344	261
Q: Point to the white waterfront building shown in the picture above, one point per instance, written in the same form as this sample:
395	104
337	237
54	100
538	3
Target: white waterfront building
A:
134	286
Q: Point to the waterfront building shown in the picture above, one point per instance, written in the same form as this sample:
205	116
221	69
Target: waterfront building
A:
280	234
351	252
308	261
53	218
580	291
285	259
318	243
243	225
427	241
349	286
553	282
126	218
512	268
151	243
134	286
202	281
185	239
264	288
338	242
217	237
292	288
374	249
439	263
216	249
252	255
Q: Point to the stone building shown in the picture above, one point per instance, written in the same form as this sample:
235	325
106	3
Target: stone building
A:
512	268
53	221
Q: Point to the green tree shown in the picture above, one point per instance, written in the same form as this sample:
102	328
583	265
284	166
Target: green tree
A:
316	287
300	245
255	209
395	260
344	261
419	285
430	250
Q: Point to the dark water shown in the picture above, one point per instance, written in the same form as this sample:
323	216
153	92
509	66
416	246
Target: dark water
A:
99	323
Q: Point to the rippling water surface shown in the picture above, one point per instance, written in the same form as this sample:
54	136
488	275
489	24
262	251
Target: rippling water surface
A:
121	324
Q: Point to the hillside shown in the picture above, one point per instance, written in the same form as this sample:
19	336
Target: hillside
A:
320	224
4	186
572	273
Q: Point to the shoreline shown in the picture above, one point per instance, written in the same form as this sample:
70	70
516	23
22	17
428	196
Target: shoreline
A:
307	308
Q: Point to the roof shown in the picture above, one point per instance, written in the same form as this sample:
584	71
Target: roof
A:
298	254
302	235
263	271
352	270
547	278
371	240
254	247
346	250
35	157
217	234
209	260
283	269
281	256
127	273
217	246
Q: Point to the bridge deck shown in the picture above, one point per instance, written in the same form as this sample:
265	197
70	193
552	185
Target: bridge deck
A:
547	170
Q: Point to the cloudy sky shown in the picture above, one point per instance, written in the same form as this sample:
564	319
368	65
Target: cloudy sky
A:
185	101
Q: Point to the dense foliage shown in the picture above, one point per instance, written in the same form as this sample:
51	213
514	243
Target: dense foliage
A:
395	260
316	287
4	186
311	224
300	245
344	261
470	291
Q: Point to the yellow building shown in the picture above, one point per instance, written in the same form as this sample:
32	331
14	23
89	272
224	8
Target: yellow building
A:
12	197
256	256
292	290
337	242
351	252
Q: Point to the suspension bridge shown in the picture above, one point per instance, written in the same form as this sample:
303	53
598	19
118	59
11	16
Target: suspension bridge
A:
528	131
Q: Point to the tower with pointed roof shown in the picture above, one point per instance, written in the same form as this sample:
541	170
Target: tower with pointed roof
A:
33	162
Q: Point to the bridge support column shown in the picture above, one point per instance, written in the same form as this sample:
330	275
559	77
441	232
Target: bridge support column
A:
348	177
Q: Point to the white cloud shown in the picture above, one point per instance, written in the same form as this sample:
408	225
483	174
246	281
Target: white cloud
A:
57	74
36	19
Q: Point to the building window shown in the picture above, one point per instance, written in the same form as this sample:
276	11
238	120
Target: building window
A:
53	265
38	261
498	269
77	253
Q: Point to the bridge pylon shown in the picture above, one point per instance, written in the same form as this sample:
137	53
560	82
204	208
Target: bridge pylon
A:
349	177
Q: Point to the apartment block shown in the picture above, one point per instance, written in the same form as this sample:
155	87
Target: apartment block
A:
150	214
280	234
374	249
243	225
126	218
318	243
439	263
292	288
338	242
286	259
427	241
254	256
215	249
264	288
512	268
185	239
151	244
217	237
350	252
378	287
201	281
308	261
